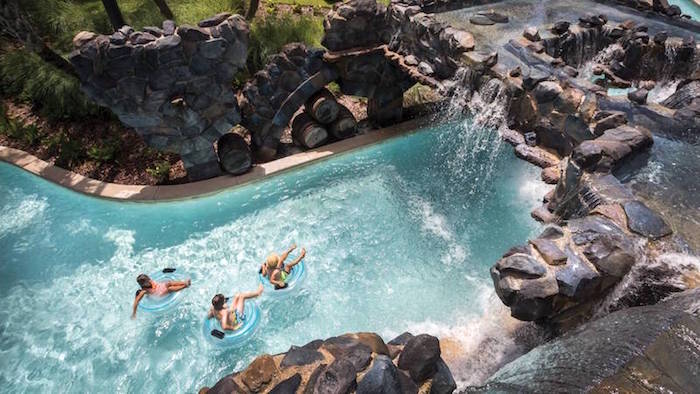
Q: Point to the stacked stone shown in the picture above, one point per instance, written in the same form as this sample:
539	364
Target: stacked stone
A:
360	363
356	24
658	57
643	350
264	100
171	84
661	7
435	48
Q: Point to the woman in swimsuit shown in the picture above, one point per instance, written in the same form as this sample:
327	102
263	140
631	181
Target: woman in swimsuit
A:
158	289
276	271
231	316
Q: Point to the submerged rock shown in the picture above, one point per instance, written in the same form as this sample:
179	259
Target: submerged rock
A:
481	20
644	221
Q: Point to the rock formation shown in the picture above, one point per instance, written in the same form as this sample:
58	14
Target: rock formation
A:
360	363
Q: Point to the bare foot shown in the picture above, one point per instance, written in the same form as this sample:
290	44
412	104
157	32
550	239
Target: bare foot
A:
303	252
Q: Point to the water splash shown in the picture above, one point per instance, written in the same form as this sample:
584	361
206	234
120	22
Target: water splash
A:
650	280
15	217
603	57
469	155
480	343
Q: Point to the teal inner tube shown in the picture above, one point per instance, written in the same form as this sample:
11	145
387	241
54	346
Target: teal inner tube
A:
294	278
212	331
156	304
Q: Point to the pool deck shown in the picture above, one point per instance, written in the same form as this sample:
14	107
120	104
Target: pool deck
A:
146	193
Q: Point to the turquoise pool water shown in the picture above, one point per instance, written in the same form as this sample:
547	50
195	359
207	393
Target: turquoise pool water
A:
688	7
399	235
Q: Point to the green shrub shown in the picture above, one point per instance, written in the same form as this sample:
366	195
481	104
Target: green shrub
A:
68	151
160	171
269	35
56	94
16	130
103	152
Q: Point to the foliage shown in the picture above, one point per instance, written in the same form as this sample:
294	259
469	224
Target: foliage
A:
160	171
68	151
103	151
269	35
16	130
419	94
56	94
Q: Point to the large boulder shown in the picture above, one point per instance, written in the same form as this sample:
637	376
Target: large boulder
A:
420	356
642	349
382	377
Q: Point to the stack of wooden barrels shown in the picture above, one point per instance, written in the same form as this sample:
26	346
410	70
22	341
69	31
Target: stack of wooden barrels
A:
323	119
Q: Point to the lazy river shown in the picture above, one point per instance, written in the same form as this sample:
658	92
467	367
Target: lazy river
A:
400	236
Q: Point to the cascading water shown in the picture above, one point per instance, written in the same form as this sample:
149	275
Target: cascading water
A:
603	57
479	135
477	345
651	280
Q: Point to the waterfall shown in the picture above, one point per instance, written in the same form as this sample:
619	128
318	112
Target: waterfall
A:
603	57
470	148
651	280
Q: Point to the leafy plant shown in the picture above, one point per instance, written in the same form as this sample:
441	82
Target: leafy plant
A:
160	171
16	130
103	152
56	94
68	151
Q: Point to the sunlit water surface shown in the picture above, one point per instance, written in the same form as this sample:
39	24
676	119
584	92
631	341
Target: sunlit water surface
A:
399	235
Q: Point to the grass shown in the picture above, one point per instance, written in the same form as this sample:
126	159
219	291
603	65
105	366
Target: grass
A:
313	3
268	35
54	93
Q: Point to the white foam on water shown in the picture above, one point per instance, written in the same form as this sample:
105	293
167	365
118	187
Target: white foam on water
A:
533	190
21	212
481	340
679	270
438	225
662	90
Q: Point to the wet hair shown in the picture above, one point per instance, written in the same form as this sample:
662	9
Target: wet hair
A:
218	302
272	261
144	281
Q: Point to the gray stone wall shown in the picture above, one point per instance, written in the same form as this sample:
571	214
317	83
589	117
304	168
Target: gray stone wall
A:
171	84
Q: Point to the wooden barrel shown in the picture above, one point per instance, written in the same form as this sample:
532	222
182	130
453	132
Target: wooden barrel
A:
344	126
234	154
322	106
307	132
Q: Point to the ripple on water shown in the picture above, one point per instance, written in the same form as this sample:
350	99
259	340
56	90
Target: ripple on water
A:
389	236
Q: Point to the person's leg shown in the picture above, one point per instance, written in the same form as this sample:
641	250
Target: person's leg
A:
177	285
288	267
239	299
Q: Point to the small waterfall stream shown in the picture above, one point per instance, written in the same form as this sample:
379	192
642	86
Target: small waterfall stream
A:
478	140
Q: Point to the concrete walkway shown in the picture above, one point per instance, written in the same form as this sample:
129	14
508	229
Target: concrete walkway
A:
95	188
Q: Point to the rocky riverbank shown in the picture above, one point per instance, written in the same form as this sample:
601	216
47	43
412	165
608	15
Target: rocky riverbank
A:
360	363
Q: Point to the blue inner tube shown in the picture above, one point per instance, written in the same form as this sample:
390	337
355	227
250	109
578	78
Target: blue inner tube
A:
294	278
155	304
212	326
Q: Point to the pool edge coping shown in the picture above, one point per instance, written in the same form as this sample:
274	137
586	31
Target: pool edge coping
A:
152	193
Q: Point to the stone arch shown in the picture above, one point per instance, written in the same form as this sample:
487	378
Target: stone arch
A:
173	85
270	99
